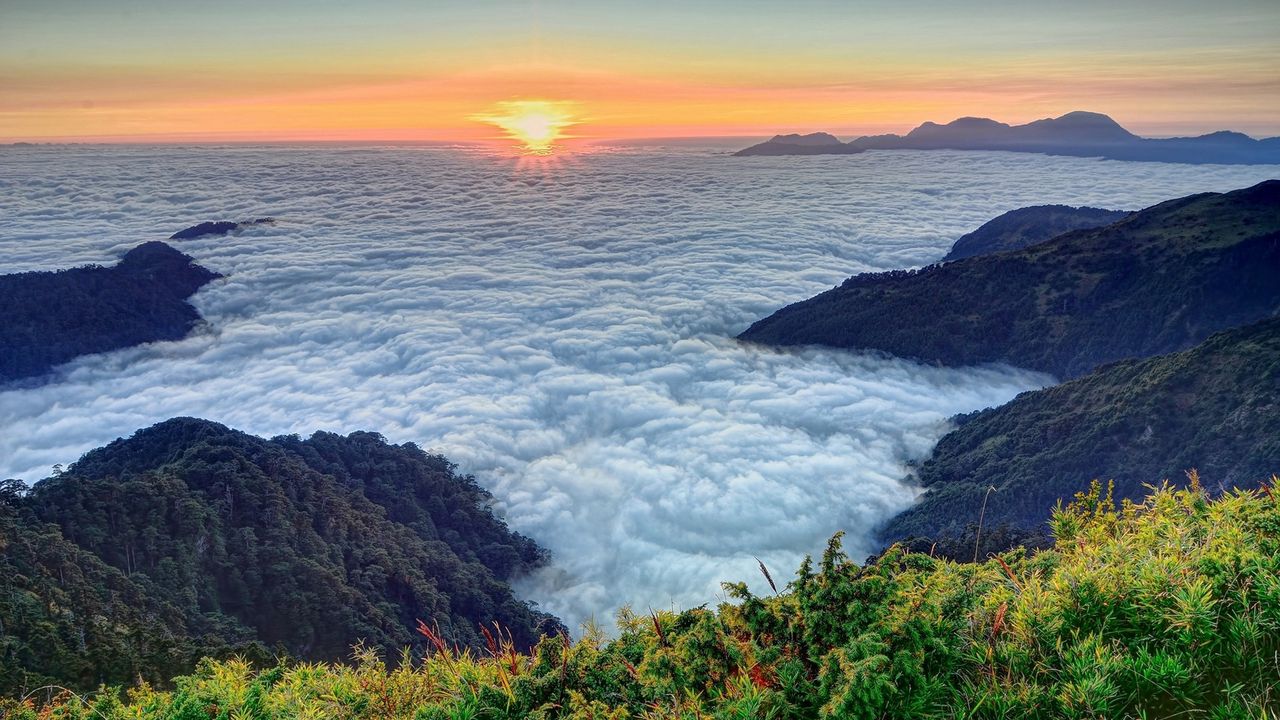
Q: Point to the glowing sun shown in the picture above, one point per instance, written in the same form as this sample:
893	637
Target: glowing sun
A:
535	124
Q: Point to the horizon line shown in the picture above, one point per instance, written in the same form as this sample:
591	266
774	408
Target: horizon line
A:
415	136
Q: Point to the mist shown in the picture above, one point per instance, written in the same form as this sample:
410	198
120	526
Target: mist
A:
561	330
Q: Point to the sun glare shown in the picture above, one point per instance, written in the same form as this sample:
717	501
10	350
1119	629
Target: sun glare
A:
535	124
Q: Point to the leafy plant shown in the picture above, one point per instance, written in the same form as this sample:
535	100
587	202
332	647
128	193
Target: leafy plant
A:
1166	607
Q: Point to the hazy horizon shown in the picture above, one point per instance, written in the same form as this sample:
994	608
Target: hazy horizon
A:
390	69
729	140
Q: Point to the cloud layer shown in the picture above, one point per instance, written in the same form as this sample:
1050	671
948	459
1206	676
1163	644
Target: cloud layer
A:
558	330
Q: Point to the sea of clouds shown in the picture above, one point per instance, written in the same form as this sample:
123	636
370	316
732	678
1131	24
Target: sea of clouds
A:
560	329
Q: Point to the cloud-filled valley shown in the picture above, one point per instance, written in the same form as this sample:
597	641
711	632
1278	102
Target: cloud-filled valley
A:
561	331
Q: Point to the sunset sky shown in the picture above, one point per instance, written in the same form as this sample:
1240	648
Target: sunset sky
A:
155	70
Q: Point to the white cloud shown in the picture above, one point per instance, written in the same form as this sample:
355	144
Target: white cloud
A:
561	333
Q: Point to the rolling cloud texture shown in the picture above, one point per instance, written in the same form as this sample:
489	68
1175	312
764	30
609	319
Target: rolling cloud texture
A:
559	331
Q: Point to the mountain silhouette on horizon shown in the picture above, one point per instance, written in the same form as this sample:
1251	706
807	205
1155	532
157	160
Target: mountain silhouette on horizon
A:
1078	134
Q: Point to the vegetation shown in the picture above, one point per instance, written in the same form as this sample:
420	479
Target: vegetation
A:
1167	608
1159	281
192	539
1215	407
249	566
1029	225
67	617
49	318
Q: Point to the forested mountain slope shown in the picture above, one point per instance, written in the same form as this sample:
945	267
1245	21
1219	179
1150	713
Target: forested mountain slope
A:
48	318
1158	281
1215	407
1027	226
234	541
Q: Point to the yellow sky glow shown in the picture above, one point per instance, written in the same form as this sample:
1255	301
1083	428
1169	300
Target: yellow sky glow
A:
712	70
536	125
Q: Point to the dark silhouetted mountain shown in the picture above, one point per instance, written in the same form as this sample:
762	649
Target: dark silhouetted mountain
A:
1080	134
49	318
818	143
219	227
1028	226
190	539
1215	407
1076	128
1158	281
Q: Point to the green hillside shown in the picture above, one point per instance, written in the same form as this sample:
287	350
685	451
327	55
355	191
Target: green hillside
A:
1165	609
1215	407
67	617
1027	226
1161	280
190	539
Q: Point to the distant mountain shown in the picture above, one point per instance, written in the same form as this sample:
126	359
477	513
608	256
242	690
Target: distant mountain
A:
217	227
1028	226
1080	134
1073	129
49	318
1158	281
190	539
818	143
1215	407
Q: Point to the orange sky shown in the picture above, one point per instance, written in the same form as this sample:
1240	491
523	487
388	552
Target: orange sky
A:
145	70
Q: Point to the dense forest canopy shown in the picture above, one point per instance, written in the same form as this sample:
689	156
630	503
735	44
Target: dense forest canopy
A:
1215	407
1027	226
1159	281
191	539
49	318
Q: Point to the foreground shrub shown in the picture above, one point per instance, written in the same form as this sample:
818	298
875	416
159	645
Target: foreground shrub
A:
1165	608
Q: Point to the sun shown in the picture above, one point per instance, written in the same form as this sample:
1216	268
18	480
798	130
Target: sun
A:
535	124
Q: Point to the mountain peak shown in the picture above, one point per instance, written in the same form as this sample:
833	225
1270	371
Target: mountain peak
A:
816	138
1036	307
1266	192
1085	115
53	317
965	126
168	267
817	143
1079	133
1078	127
975	122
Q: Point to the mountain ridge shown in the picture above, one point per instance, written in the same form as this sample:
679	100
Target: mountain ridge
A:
1077	133
1028	226
239	544
50	318
1157	281
1214	407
